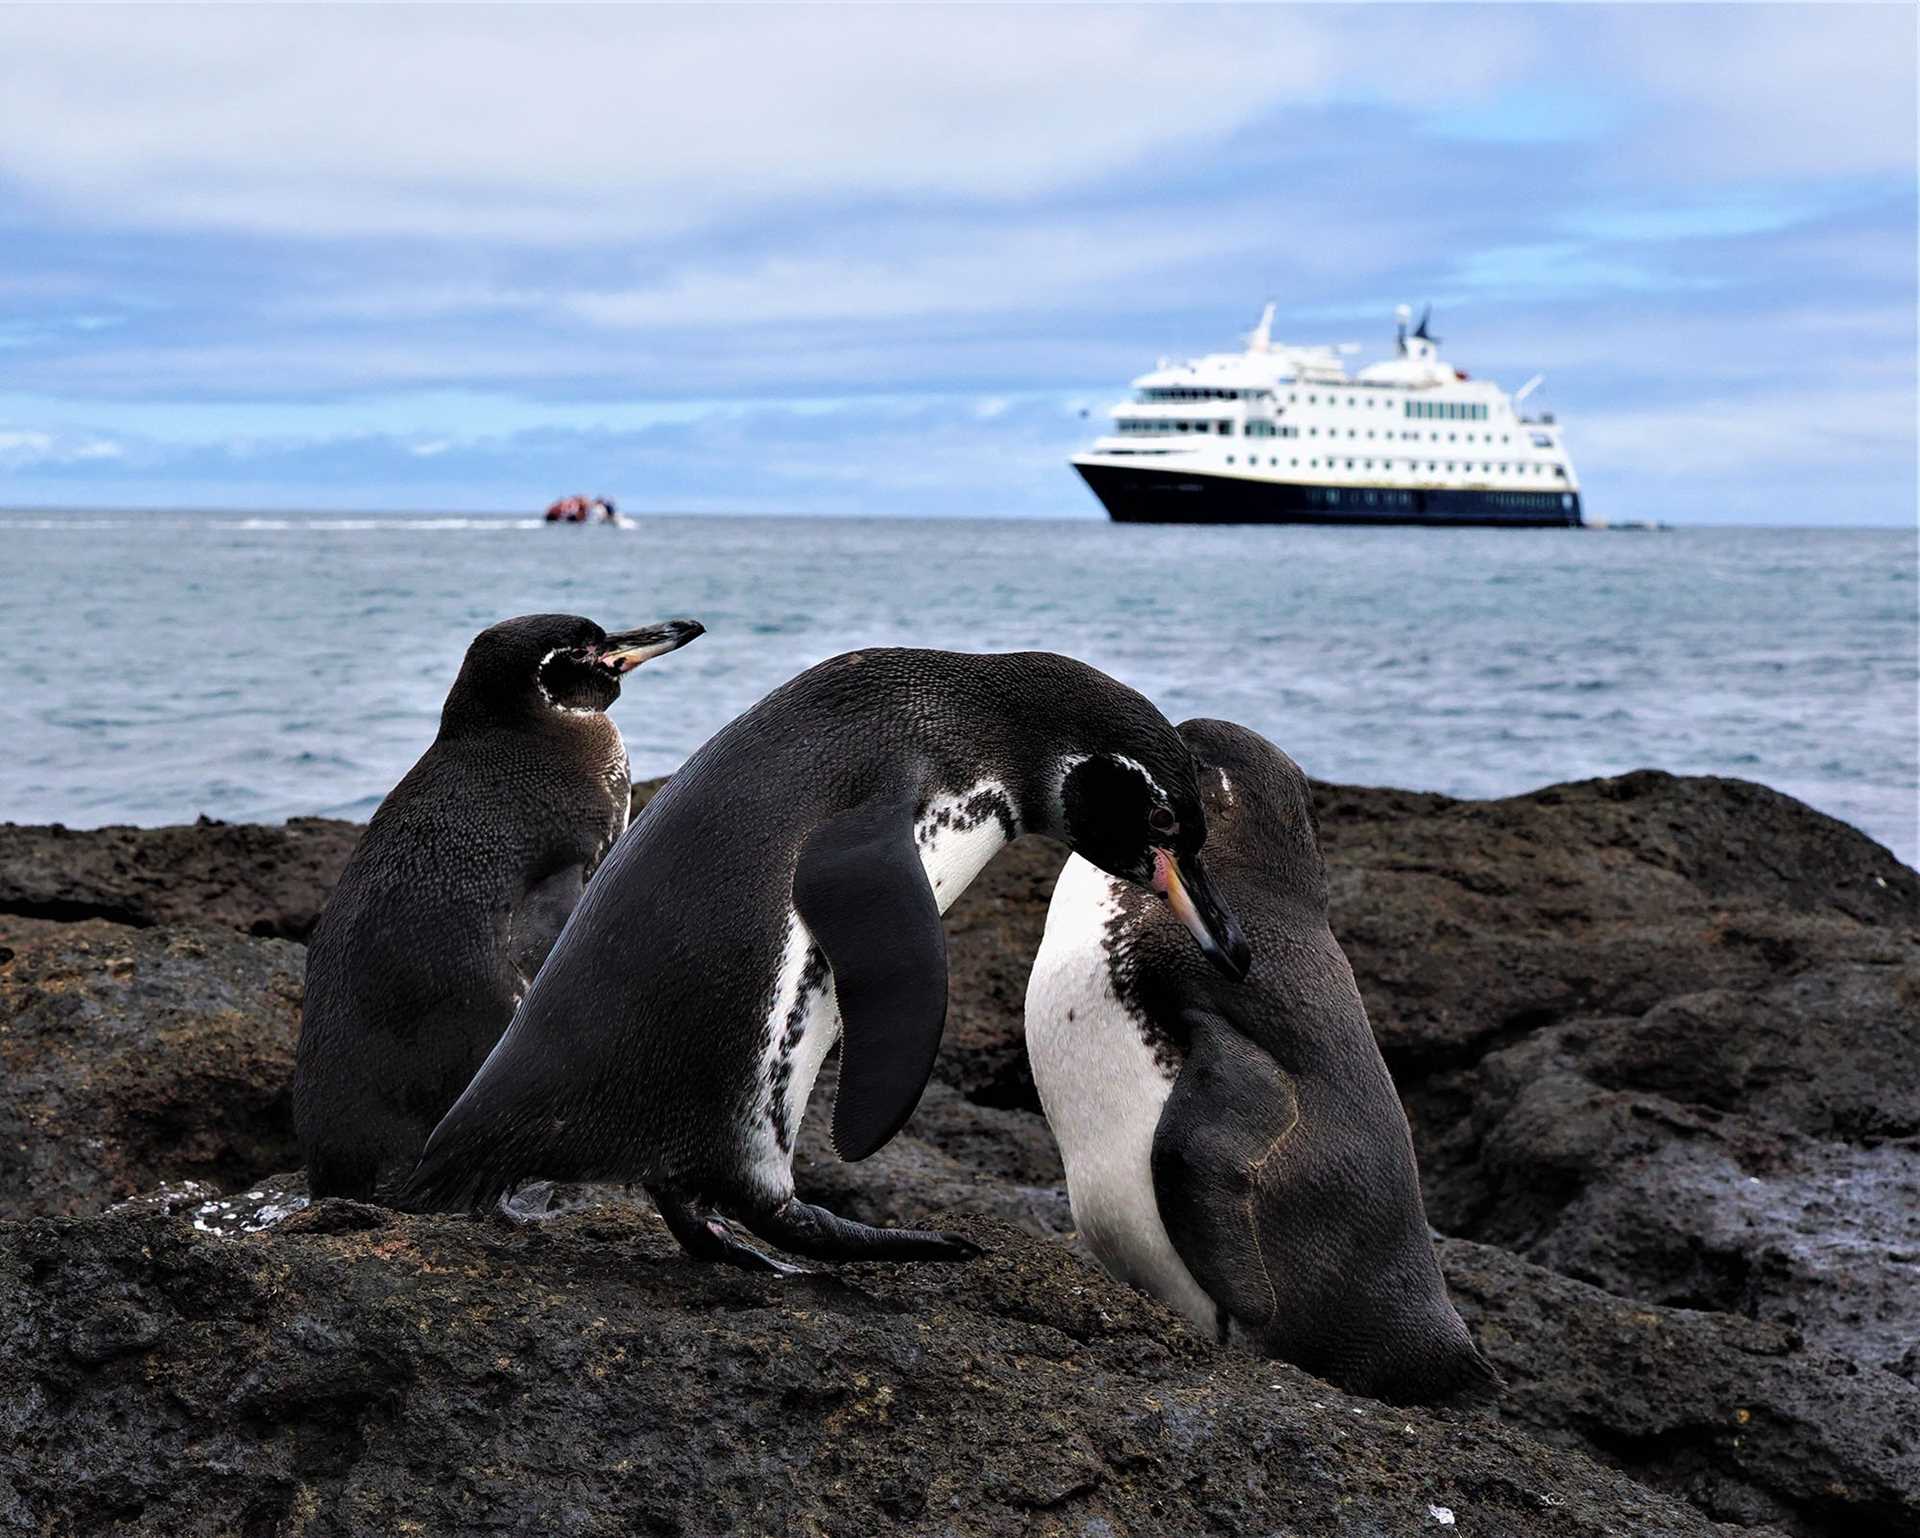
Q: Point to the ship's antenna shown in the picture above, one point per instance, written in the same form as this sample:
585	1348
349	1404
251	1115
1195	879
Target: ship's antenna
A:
1261	337
1401	315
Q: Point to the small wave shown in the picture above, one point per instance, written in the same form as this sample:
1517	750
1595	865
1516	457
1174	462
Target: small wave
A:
368	525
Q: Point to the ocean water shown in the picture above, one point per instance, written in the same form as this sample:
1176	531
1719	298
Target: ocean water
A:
161	665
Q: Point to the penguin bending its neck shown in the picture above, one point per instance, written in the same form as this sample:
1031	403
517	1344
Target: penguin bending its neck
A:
457	890
784	892
1236	1147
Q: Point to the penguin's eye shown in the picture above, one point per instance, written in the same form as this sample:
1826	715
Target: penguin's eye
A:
1162	820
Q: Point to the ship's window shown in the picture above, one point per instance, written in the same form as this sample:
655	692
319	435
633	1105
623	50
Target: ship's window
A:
1223	428
1229	459
1313	400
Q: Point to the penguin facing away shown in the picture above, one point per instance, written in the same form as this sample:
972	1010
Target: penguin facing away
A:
458	889
784	891
1236	1147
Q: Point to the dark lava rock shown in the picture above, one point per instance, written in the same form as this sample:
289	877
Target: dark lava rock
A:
259	880
1701	1197
449	1375
129	1057
952	1157
1656	1033
1472	923
1731	1414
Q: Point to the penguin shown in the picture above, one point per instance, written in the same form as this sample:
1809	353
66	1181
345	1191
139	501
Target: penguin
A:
784	892
1235	1147
458	889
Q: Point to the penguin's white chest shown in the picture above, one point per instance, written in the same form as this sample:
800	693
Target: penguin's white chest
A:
1103	1091
956	835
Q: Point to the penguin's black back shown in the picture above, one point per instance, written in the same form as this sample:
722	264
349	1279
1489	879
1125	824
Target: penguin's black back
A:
427	941
637	1054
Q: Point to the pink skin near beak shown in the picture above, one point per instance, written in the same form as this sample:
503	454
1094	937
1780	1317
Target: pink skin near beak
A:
1166	881
1212	926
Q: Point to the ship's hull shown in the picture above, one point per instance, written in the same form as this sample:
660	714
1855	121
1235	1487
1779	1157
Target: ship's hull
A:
1143	495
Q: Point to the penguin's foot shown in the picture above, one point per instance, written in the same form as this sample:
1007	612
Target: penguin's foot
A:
706	1236
821	1235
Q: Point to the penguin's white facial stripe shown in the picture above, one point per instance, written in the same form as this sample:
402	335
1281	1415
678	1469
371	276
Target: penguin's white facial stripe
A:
1071	761
1103	1089
1159	792
957	833
540	683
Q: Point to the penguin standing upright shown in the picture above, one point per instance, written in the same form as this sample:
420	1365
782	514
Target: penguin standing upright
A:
785	887
1236	1147
458	888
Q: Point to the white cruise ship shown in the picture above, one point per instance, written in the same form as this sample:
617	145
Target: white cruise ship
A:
1282	434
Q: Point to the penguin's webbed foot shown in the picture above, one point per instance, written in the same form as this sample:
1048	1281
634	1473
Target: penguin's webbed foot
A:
819	1234
706	1236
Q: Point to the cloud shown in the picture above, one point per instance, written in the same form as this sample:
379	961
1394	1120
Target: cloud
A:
25	448
557	125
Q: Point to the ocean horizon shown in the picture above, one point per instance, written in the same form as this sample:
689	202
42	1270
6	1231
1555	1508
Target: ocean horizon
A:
253	665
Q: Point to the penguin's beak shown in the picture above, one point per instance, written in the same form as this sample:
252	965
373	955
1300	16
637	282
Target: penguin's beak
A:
1190	894
627	650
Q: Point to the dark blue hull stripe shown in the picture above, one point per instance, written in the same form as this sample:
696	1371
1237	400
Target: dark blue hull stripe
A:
1181	496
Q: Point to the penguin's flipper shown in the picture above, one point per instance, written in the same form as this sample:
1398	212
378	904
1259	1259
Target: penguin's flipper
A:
1229	1113
861	890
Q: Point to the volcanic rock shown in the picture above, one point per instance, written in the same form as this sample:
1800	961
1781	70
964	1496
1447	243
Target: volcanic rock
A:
129	1057
1736	1416
393	1374
259	880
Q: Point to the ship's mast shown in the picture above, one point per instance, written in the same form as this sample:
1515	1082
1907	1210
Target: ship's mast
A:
1260	339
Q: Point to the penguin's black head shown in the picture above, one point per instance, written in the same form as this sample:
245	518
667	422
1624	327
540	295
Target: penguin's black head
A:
1142	820
556	662
1259	809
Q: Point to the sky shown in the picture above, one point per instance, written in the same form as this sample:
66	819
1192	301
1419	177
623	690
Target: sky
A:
897	261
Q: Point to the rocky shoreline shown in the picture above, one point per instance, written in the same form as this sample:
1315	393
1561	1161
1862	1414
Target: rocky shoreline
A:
1657	1038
